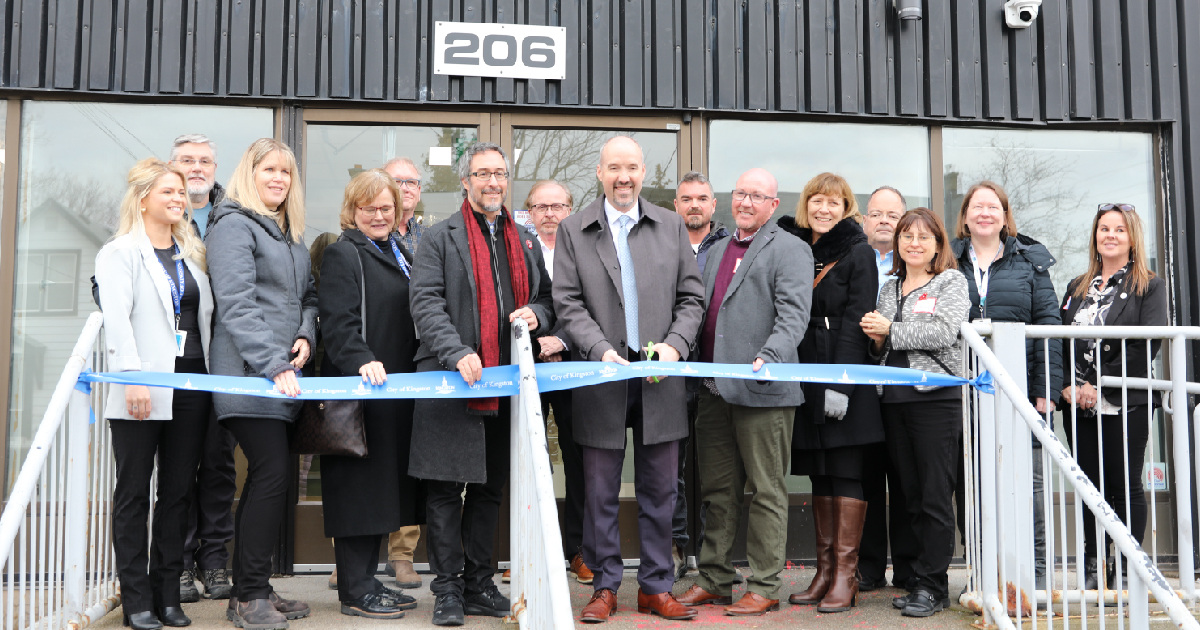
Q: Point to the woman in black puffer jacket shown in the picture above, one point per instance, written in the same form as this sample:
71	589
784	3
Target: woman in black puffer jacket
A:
1009	281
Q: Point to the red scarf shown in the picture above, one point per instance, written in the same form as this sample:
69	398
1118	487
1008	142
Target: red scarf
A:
485	285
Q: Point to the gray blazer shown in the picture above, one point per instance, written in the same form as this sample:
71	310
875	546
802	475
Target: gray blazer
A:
589	301
764	313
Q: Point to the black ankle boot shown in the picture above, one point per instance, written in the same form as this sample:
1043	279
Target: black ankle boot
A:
1091	580
173	616
144	620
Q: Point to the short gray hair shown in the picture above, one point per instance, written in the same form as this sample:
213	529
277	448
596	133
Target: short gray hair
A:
192	138
401	161
903	203
464	162
695	177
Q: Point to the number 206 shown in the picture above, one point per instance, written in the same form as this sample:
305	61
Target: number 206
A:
463	49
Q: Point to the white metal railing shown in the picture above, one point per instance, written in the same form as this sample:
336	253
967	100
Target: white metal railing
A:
999	434
539	594
56	559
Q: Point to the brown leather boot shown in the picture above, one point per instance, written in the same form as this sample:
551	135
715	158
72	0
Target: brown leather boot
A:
823	518
851	514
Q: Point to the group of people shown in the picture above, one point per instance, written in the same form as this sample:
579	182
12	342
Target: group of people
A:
227	287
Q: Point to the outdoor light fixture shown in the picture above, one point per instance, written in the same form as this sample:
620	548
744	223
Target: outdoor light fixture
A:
908	9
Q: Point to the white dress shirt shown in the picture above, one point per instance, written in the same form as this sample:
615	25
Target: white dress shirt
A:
548	256
612	215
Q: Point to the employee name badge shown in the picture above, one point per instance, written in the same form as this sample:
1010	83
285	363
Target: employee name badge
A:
180	340
925	304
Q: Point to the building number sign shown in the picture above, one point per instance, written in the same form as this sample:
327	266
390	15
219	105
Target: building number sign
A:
515	51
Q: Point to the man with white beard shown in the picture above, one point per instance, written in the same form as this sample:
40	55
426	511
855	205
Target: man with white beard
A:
196	156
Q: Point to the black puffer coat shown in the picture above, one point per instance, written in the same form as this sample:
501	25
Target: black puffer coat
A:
1020	290
834	335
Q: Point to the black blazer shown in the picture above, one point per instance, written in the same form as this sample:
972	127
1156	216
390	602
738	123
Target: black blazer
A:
1128	309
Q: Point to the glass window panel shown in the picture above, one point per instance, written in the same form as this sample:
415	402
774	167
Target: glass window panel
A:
336	153
868	156
1054	181
73	162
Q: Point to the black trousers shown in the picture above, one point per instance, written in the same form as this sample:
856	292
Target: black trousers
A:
572	518
210	513
357	560
260	511
1087	452
923	441
460	531
887	520
177	444
679	520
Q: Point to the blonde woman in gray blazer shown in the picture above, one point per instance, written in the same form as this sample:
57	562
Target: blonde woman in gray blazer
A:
157	306
916	325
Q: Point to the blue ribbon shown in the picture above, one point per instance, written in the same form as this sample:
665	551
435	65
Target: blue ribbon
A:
504	380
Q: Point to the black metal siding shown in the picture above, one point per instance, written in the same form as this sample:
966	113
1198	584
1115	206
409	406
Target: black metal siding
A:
1084	61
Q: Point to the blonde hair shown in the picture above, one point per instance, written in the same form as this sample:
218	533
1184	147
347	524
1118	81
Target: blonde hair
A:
1010	222
243	189
833	186
141	180
364	188
1139	272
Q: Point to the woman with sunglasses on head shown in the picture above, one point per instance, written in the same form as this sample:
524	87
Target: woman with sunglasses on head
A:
917	326
157	312
1118	289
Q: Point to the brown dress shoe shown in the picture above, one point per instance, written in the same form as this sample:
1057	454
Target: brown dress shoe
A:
507	576
823	518
752	604
696	596
851	514
582	573
664	605
602	605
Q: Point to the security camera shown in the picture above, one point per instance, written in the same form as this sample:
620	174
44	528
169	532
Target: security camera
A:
908	9
1021	13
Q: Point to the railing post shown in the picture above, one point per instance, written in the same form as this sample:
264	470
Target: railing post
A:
76	503
1182	454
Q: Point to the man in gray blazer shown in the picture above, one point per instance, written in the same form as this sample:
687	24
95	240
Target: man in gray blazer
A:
625	280
757	294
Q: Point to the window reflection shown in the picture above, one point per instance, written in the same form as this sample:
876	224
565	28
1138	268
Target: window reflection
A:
74	159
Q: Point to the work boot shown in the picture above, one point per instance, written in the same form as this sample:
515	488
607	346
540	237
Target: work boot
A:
851	514
188	593
216	583
823	518
406	576
259	614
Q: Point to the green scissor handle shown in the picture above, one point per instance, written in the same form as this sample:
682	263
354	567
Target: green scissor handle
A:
650	356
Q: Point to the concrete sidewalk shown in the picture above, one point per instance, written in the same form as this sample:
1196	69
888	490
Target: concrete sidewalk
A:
873	610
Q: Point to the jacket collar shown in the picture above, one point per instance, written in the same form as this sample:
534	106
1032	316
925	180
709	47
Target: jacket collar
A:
384	254
1024	246
155	268
844	235
593	214
764	235
229	206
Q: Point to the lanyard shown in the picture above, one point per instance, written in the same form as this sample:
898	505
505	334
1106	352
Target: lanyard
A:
399	257
981	275
176	293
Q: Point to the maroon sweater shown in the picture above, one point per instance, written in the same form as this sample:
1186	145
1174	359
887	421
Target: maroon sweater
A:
729	264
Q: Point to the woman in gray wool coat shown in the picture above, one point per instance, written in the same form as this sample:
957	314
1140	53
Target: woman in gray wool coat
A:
266	325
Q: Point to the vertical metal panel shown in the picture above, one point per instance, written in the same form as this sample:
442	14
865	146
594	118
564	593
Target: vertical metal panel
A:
1164	30
939	60
1051	27
409	49
664	45
506	89
240	44
356	48
1188	137
788	71
1110	85
1138	75
272	35
908	66
67	33
754	51
878	13
439	84
725	43
846	60
1022	72
137	27
204	65
341	41
576	21
172	42
374	49
31	51
965	24
535	89
6	25
472	87
600	55
994	62
100	59
820	54
1081	72
630	53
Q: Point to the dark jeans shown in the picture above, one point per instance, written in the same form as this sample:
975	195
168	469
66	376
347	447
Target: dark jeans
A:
460	531
1087	453
357	561
210	513
887	520
572	517
923	441
135	443
264	498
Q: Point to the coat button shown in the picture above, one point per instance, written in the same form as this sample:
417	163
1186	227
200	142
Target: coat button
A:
1106	347
1124	295
621	344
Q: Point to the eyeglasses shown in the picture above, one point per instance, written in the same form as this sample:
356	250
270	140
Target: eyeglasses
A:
879	216
755	198
483	176
1123	207
411	184
385	211
187	161
557	207
923	239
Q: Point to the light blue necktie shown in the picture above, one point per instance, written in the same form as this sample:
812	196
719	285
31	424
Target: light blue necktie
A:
628	282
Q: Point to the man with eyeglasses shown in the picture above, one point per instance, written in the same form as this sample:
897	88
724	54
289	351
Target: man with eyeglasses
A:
627	288
404	171
885	208
475	273
196	156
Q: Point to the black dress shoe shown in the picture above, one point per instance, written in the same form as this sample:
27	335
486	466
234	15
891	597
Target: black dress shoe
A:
866	585
374	605
448	610
397	597
173	616
923	604
144	620
901	601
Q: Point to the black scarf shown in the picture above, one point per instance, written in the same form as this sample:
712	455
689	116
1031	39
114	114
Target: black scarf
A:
836	243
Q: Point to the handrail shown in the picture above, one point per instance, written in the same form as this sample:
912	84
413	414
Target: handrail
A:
1140	562
1059	331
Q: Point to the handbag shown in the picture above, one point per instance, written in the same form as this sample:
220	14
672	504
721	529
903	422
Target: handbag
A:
333	427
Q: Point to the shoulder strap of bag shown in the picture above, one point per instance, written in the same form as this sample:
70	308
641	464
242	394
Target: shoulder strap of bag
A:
900	301
824	271
362	284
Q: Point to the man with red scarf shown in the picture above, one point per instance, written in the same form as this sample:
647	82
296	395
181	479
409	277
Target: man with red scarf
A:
475	272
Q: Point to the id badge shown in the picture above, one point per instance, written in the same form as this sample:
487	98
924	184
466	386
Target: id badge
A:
925	305
180	341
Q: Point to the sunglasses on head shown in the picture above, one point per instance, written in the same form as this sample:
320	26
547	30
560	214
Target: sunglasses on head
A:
1123	207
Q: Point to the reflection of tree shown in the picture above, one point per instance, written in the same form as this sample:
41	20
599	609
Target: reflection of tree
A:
93	200
445	178
1038	184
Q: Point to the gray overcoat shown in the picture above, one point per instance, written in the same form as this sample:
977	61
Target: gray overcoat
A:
265	300
764	313
590	303
447	441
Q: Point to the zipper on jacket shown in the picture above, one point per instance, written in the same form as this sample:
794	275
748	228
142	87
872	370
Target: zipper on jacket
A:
496	277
